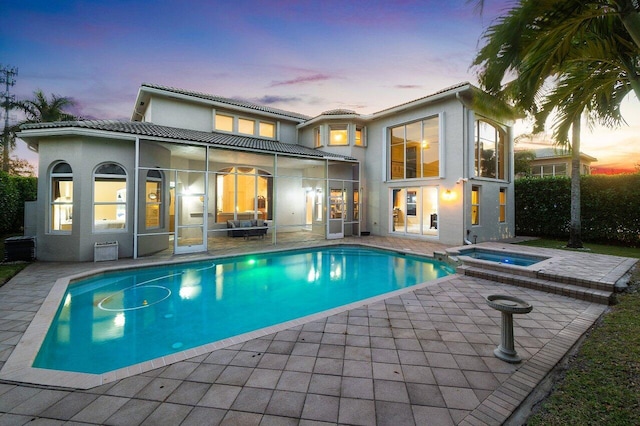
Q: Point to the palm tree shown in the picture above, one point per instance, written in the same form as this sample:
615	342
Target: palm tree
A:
41	110
568	58
37	110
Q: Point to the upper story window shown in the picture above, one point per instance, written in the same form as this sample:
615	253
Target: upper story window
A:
415	149
61	205
490	151
224	123
109	198
338	134
244	126
317	141
267	130
359	139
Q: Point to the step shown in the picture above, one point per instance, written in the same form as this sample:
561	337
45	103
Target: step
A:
575	291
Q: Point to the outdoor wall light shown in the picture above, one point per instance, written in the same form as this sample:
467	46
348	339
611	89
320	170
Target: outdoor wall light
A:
448	195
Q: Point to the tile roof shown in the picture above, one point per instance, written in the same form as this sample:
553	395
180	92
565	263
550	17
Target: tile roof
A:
221	140
234	102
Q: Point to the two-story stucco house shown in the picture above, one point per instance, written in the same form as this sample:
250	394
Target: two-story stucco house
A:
190	167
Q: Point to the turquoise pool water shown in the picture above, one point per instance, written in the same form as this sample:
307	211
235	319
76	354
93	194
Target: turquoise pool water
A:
113	320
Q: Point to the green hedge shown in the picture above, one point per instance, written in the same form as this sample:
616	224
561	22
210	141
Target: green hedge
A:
14	191
610	208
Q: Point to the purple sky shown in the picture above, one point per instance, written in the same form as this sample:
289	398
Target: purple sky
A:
303	56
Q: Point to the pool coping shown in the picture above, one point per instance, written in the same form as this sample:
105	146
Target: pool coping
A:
19	366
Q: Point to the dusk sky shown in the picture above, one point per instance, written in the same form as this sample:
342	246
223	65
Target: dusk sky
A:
306	56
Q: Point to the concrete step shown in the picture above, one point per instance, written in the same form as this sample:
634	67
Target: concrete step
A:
550	284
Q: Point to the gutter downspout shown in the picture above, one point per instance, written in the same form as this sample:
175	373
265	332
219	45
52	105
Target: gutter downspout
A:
136	197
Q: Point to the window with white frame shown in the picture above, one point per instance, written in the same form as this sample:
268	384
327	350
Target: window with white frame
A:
245	126
475	205
359	138
61	199
338	134
490	151
415	149
153	194
317	142
503	205
109	198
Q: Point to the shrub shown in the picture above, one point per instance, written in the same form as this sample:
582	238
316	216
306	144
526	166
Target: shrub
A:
14	191
609	206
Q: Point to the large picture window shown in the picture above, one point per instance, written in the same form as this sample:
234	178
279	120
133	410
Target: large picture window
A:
61	197
415	150
109	198
490	151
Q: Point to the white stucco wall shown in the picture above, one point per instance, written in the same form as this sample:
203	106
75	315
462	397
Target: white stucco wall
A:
185	115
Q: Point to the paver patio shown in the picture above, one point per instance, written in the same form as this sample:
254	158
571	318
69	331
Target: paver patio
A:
424	357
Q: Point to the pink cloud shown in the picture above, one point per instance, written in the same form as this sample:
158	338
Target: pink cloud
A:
301	80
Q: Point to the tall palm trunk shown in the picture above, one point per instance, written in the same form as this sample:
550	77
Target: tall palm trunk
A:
575	226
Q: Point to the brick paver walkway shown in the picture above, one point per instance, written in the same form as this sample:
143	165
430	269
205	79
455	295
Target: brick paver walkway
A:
424	358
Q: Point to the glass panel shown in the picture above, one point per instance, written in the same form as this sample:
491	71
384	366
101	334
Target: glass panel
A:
316	137
190	236
398	205
430	211
413	134
431	147
246	127
110	169
356	204
62	203
246	197
397	153
338	135
413	211
475	206
337	204
224	123
359	140
503	205
561	170
154	198
226	201
547	170
267	130
61	168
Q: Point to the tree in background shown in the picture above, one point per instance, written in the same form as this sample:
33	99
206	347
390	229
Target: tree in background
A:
42	110
37	110
522	162
568	58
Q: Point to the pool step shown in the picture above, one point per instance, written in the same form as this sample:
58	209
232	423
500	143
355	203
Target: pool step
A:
578	289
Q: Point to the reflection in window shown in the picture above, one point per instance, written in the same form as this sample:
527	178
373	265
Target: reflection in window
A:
490	151
475	205
415	150
153	216
109	198
317	142
338	135
61	198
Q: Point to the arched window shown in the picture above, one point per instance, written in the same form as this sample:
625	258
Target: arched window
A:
490	151
61	198
153	216
109	198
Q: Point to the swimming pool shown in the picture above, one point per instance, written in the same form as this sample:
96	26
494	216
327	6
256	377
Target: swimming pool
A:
506	258
116	319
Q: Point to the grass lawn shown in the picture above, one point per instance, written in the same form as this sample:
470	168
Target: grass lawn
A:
602	383
8	270
588	247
